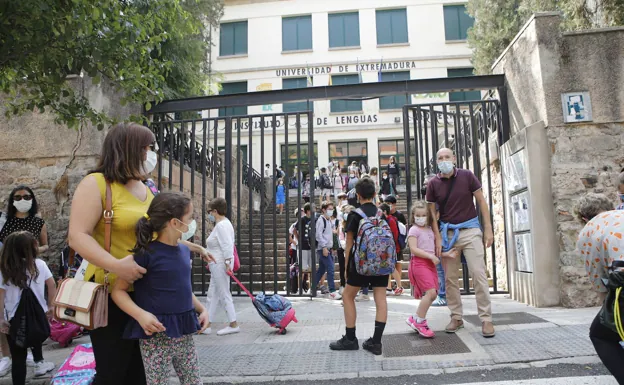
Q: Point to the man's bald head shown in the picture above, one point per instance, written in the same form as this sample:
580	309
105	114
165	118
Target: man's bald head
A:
445	154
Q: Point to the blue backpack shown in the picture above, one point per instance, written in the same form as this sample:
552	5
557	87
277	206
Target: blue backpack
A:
375	250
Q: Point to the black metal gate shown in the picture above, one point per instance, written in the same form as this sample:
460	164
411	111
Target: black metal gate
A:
468	128
187	157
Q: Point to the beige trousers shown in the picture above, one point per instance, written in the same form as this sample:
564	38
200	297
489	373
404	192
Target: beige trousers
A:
470	241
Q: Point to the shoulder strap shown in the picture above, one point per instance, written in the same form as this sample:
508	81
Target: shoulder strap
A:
108	224
448	193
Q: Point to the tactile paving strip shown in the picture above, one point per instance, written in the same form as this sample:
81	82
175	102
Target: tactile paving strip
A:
507	319
411	344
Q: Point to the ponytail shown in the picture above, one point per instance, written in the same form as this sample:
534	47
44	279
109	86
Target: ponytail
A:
165	207
144	232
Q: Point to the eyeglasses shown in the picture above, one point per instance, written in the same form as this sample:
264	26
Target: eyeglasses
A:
18	198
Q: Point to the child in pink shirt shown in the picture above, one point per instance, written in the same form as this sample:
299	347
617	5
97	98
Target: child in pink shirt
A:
422	269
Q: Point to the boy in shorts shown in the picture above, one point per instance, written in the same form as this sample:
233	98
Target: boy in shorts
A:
365	190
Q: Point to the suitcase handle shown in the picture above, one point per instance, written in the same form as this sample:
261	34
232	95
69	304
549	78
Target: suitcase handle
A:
231	274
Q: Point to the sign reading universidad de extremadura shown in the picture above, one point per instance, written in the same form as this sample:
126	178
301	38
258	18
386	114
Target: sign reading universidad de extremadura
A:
345	68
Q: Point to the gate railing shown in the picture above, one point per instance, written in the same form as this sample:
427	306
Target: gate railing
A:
461	126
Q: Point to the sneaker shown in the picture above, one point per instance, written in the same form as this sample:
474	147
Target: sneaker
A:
341	290
362	297
372	347
43	367
344	344
30	361
5	366
440	301
335	295
398	291
228	330
207	331
421	328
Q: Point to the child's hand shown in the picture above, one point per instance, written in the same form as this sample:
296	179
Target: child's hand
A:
50	312
150	324
435	259
204	321
4	326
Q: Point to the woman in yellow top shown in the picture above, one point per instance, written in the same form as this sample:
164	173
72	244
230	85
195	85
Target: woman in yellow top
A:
122	164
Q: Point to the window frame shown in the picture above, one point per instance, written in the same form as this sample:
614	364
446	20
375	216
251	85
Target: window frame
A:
462	96
395	98
343	16
305	159
462	32
297	27
392	26
334	103
233	111
296	106
234	24
346	160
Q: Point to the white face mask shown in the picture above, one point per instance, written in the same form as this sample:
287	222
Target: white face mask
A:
330	213
385	177
149	164
352	175
23	206
345	216
192	227
446	167
420	221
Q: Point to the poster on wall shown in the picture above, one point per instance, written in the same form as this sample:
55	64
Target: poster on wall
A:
520	211
576	107
524	252
515	172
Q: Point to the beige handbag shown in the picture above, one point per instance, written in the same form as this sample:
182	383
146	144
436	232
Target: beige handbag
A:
86	303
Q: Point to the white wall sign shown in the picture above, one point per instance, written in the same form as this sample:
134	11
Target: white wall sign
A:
576	107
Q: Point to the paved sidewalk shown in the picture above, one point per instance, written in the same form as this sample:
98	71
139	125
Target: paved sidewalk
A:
525	337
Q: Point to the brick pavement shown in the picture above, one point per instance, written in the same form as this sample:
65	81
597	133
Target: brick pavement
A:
259	353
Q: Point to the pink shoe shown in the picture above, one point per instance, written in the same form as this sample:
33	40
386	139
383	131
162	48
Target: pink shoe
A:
398	291
420	328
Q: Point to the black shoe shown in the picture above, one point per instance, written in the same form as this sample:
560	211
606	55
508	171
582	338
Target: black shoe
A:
372	347
345	344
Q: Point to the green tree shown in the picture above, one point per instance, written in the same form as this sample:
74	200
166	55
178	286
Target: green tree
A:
149	49
498	21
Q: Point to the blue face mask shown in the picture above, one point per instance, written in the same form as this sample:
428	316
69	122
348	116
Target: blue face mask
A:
621	197
192	227
446	167
212	218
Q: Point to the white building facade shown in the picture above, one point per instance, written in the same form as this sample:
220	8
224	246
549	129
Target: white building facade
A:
270	45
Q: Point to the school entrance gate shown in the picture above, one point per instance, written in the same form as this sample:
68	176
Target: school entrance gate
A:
187	137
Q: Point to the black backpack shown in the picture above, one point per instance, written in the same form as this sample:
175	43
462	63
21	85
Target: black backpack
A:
325	181
30	326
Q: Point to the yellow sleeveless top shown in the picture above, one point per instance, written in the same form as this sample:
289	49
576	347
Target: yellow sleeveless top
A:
127	210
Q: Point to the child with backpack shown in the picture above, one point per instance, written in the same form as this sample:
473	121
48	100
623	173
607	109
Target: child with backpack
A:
280	195
423	274
23	280
163	308
370	256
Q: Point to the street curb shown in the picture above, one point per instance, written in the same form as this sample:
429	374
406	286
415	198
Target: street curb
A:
583	360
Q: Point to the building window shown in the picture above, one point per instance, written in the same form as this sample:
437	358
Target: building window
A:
388	148
233	39
243	149
233	88
456	22
345	105
462	96
392	26
344	30
296	106
293	160
296	33
348	152
394	101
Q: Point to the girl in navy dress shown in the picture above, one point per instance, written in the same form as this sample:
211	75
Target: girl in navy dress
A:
165	313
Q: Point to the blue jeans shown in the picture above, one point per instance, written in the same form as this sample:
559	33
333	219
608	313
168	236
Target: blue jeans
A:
326	265
442	281
365	290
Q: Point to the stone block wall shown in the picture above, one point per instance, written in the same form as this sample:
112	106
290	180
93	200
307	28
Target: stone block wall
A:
541	64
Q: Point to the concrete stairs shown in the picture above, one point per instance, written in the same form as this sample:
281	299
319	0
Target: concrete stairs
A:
269	238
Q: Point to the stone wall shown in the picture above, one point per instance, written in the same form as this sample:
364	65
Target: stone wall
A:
540	65
53	159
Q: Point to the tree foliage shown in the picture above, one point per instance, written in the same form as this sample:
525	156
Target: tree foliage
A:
150	50
498	21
